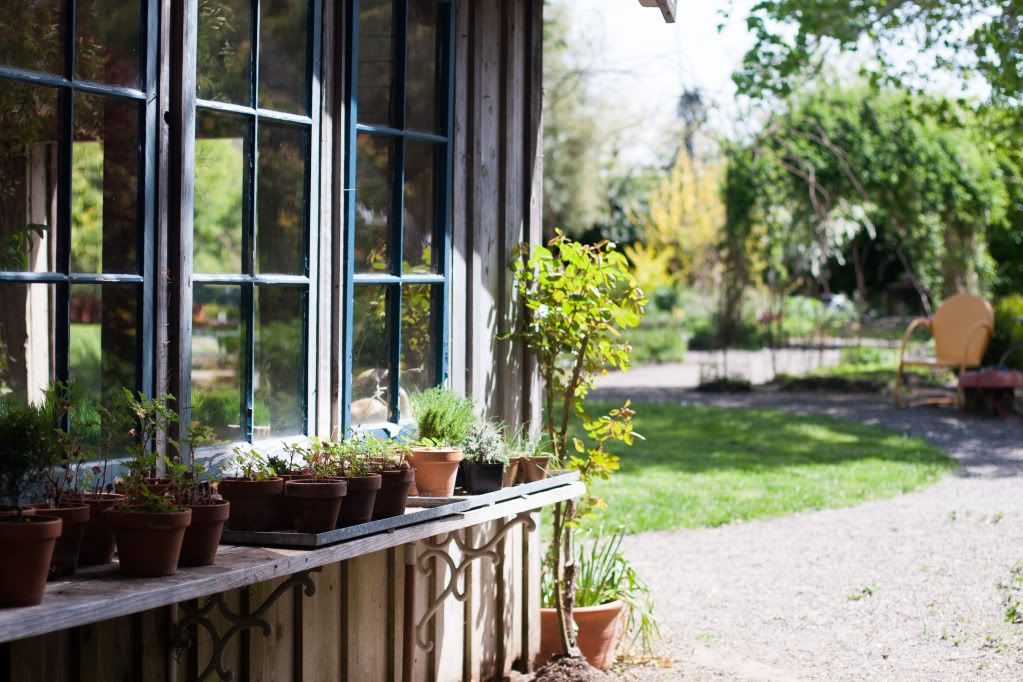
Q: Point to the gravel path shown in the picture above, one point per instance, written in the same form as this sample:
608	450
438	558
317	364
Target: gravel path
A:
910	588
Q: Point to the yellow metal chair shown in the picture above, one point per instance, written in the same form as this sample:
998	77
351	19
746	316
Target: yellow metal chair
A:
962	329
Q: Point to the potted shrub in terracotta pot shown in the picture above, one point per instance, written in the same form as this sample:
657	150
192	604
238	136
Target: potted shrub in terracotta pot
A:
612	604
352	459
484	459
396	479
255	493
315	499
196	491
29	447
443	420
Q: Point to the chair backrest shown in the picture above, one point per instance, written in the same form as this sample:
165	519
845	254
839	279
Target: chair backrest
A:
955	325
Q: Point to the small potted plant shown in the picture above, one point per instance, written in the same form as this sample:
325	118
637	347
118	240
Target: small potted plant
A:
195	491
530	455
352	459
484	459
254	493
390	460
443	420
96	489
29	446
316	498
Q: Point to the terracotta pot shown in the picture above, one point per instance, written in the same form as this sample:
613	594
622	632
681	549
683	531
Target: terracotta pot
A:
69	544
148	543
255	505
511	473
358	503
315	503
481	477
533	468
26	549
202	537
393	494
98	540
7	512
436	469
598	634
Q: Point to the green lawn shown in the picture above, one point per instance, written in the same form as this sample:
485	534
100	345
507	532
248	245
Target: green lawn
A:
703	466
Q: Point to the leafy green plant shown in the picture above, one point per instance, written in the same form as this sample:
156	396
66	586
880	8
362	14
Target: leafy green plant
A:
443	417
484	444
1008	340
252	465
30	446
139	421
525	442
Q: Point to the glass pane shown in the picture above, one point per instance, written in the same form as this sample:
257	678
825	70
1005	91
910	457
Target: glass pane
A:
284	56
33	35
282	215
28	177
418	339
103	337
422	160
370	353
218	361
374	176
220	176
280	374
105	159
224	68
26	338
107	42
376	62
421	85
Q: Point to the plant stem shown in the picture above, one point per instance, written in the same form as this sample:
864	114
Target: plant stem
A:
570	389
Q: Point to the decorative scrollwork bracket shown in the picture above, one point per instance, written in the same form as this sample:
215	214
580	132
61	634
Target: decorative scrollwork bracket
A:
436	548
198	617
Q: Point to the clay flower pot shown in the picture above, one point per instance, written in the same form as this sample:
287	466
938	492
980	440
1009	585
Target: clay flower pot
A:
202	537
315	503
598	634
482	477
511	473
436	469
358	503
148	543
26	548
65	552
98	539
255	505
533	468
393	494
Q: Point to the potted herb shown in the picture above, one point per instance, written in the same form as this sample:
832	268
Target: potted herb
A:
443	420
352	458
611	602
29	447
93	484
529	455
209	514
484	459
390	460
316	498
254	492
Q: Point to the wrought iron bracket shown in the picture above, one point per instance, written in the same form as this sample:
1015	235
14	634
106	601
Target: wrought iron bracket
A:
457	587
186	631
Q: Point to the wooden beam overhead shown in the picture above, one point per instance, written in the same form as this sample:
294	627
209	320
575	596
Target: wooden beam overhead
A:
667	8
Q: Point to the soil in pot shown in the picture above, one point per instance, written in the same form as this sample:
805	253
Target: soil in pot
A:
436	469
26	548
357	506
69	544
315	503
565	669
98	539
598	634
148	543
533	468
202	537
393	494
255	505
482	477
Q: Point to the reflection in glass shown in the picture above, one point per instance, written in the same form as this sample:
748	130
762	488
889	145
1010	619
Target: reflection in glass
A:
218	361
374	175
26	338
105	160
223	71
282	216
28	177
422	161
418	337
376	62
284	56
421	83
33	35
280	351
219	185
370	353
107	38
103	337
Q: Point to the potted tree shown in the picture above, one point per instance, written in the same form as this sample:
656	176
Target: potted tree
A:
443	420
315	498
29	447
390	460
254	493
352	461
484	458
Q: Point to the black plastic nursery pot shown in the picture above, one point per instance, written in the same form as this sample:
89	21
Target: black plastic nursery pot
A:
480	477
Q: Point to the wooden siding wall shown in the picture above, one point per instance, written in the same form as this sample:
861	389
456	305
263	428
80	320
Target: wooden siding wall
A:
350	629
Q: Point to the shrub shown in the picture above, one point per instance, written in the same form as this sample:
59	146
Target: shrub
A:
656	344
484	444
1008	332
443	417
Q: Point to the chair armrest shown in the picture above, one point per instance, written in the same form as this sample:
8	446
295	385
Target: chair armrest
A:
980	326
918	322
